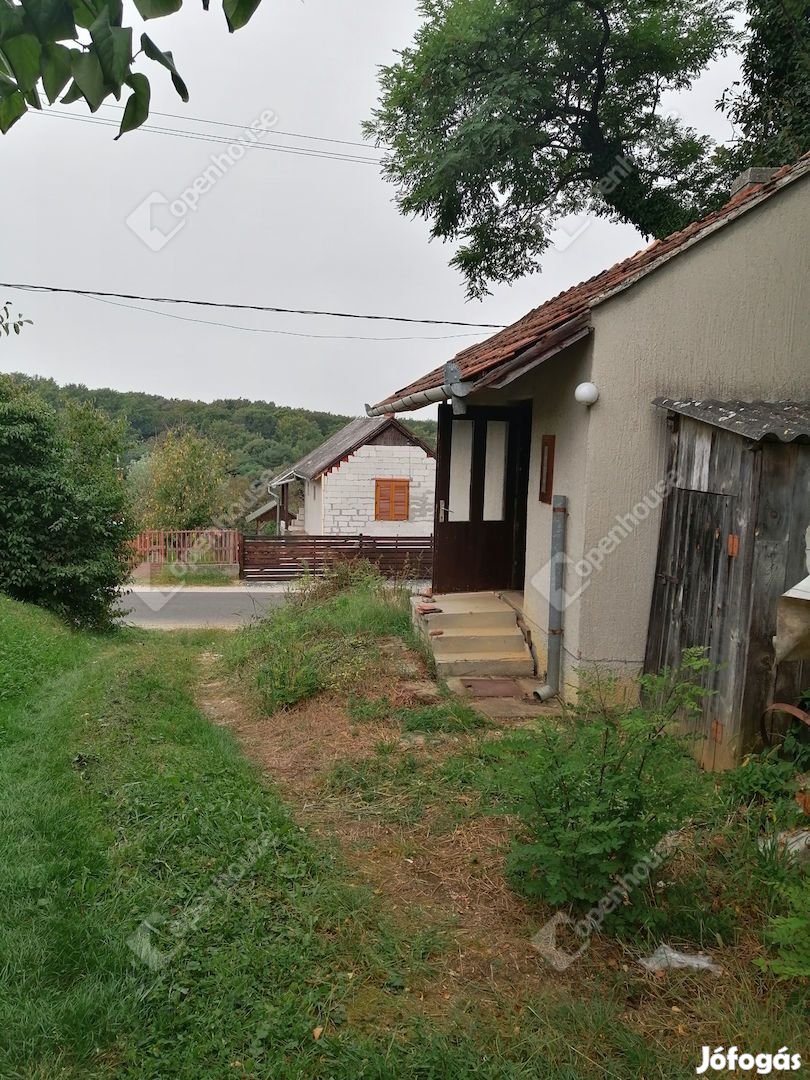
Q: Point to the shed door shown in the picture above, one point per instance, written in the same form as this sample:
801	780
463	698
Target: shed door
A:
690	597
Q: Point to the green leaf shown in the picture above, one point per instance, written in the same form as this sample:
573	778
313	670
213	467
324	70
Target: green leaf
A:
156	9
89	78
56	70
239	12
85	12
166	60
113	45
137	107
73	94
23	53
7	86
11	20
11	109
51	19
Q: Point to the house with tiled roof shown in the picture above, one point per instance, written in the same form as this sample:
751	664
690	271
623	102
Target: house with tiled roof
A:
374	477
552	457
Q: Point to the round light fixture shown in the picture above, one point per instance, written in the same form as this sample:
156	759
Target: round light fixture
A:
587	393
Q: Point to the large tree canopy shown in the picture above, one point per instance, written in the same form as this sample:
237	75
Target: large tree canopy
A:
82	50
772	108
503	117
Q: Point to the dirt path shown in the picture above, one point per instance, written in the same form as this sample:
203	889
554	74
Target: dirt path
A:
439	867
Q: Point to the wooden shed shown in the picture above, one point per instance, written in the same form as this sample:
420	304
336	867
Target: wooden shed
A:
735	530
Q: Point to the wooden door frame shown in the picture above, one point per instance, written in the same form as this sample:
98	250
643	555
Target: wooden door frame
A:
516	492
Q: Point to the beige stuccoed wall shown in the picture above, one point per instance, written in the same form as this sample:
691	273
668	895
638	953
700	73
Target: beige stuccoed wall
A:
729	318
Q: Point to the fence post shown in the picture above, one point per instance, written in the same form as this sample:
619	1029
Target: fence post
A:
240	554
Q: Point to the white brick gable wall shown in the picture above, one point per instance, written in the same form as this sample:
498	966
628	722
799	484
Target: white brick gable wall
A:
348	492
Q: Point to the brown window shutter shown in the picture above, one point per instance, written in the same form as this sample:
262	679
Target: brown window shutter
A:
391	500
401	500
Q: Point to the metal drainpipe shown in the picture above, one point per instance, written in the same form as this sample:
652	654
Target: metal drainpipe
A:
559	513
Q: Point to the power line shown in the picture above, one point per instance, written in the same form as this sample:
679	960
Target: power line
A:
244	127
300	151
266	330
244	307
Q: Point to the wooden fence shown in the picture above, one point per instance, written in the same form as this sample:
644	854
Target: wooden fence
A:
199	546
287	557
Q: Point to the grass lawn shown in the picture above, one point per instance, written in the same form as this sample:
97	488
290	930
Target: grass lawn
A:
169	910
203	577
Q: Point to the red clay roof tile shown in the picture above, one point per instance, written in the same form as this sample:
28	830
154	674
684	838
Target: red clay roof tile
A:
543	324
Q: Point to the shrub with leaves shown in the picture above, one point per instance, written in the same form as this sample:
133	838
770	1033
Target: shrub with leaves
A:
64	525
604	788
790	933
762	779
181	484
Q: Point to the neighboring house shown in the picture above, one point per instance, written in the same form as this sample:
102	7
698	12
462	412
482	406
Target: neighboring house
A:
719	310
273	512
374	477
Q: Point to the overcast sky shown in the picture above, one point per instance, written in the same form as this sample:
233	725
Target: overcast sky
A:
276	229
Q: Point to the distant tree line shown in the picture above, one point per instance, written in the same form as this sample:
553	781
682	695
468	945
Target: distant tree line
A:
255	435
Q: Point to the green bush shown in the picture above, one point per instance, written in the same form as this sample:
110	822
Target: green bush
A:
64	524
603	790
790	933
761	779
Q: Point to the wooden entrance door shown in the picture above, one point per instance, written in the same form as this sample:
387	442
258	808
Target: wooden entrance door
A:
481	491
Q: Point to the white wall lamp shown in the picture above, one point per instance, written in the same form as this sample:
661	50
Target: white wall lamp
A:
587	393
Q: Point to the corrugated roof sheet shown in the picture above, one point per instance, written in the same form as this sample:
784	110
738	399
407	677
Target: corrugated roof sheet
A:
355	434
787	421
564	317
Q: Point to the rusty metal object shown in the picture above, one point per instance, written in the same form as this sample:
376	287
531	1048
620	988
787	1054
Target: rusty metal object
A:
781	707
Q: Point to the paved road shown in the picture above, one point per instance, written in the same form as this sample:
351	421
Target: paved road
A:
188	608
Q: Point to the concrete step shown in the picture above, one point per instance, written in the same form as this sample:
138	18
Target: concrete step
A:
477	640
497	618
517	664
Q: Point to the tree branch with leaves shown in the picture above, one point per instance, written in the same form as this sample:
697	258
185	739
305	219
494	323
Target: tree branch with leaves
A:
502	118
72	50
9	322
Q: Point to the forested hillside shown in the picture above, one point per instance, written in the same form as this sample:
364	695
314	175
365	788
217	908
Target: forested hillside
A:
257	435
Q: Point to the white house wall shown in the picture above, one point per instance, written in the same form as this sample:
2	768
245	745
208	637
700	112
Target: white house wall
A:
349	489
313	507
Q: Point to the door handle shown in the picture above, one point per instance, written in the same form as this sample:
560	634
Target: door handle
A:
443	510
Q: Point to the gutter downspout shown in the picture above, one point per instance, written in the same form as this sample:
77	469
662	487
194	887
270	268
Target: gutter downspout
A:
453	388
559	513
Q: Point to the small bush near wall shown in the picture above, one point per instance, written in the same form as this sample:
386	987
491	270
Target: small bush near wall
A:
602	789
